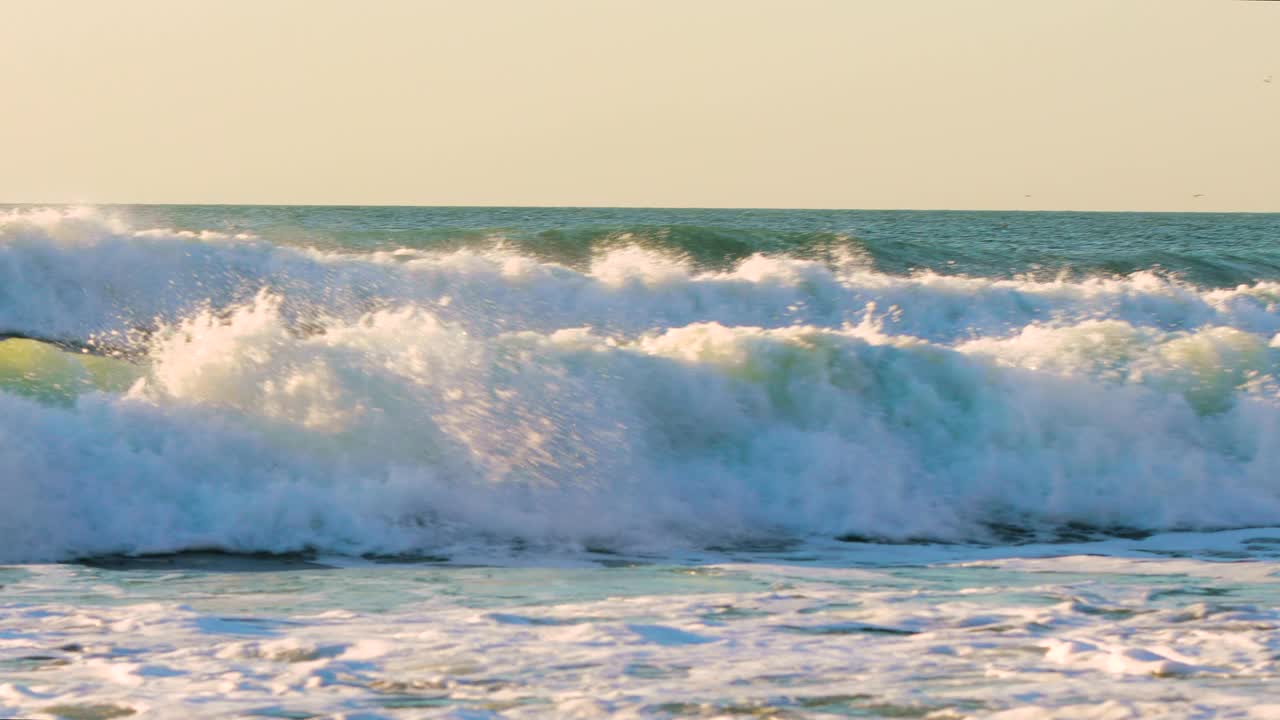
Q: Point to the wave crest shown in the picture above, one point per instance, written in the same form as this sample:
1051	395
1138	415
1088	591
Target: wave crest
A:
412	401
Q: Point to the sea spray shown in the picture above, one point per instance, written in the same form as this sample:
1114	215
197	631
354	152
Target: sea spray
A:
281	398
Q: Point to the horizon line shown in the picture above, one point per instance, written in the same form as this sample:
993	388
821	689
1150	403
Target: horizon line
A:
494	206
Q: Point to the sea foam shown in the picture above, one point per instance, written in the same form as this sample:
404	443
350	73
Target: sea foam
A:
282	398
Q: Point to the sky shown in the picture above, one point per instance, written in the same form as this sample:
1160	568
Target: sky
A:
931	104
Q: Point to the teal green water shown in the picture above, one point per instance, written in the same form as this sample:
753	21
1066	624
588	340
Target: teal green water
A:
1206	249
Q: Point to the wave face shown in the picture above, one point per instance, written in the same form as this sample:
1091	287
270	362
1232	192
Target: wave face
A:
355	380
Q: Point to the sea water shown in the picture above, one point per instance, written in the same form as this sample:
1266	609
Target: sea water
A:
522	462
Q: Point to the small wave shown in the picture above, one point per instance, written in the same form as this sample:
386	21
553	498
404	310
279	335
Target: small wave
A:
77	276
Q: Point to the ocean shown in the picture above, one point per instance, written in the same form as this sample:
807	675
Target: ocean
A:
379	462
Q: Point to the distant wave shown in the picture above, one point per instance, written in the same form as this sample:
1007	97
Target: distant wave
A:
393	401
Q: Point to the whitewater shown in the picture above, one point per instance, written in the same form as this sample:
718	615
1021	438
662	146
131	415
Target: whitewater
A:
414	462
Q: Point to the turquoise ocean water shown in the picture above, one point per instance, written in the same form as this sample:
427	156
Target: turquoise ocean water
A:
532	462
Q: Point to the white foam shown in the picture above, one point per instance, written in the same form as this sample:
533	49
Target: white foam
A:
413	401
78	273
1060	639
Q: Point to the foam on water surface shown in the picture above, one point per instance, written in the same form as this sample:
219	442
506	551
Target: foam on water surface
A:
1112	629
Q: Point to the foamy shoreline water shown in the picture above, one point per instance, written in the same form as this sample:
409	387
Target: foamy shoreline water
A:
1164	627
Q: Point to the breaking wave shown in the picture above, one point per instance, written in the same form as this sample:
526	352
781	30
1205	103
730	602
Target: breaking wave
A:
253	396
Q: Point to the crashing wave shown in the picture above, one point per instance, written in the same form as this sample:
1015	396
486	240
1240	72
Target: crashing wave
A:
283	398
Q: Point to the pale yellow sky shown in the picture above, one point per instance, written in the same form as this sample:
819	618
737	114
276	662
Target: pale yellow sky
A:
1081	104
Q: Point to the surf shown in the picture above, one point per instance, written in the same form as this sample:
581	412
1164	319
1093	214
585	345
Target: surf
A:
166	390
